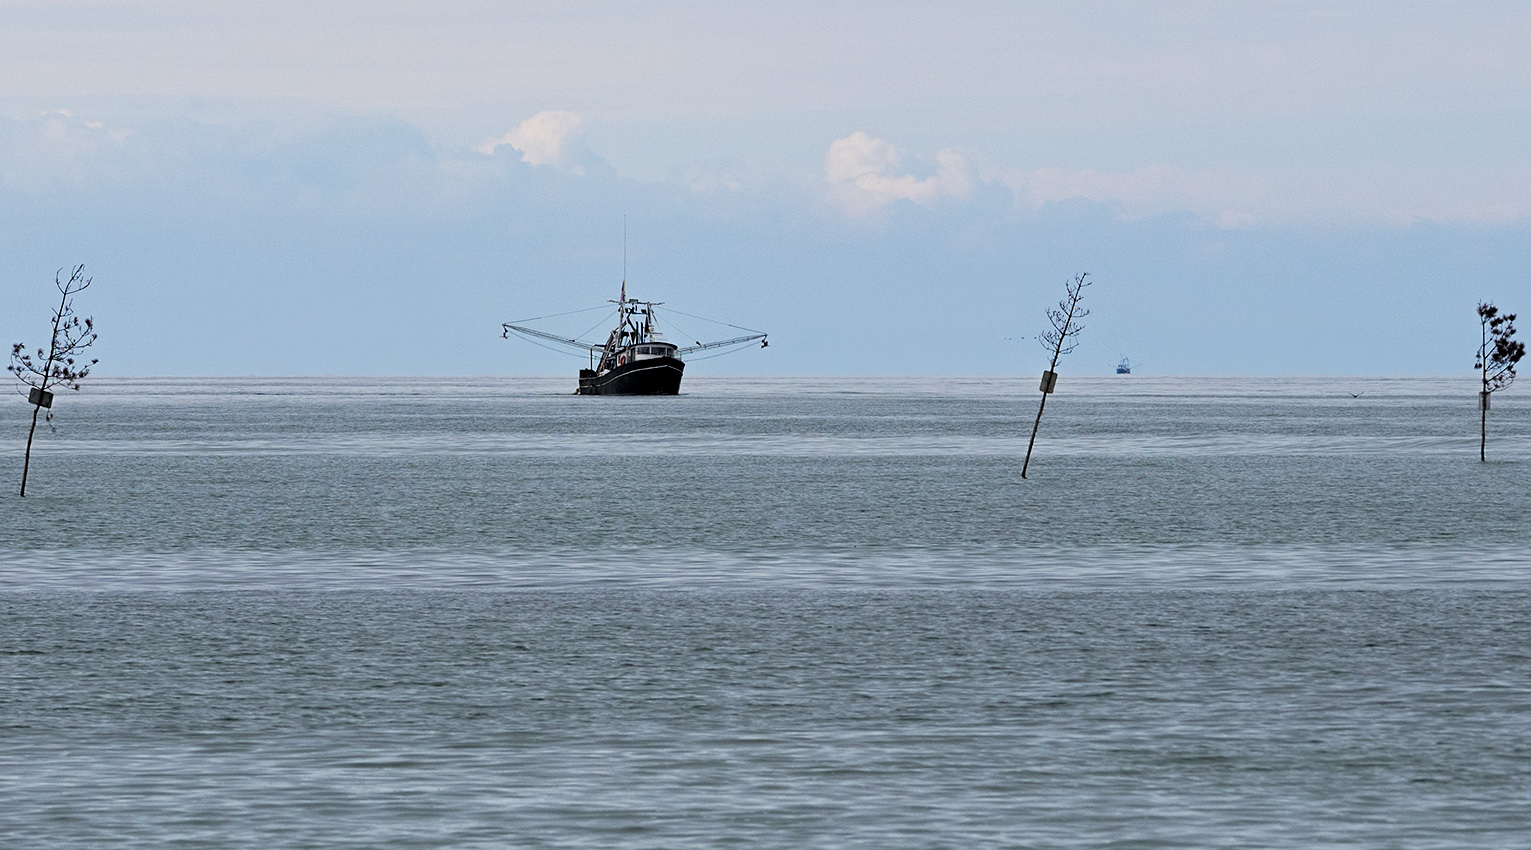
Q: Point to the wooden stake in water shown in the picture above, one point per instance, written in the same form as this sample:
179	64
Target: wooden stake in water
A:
1062	339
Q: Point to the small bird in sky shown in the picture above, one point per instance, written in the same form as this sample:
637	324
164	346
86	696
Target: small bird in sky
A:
1357	395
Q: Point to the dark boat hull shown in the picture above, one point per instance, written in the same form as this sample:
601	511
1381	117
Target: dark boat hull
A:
658	376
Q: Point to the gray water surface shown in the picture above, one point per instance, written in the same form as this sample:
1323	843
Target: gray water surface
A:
796	613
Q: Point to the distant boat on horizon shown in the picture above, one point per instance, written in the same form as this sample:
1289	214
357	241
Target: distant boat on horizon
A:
1124	367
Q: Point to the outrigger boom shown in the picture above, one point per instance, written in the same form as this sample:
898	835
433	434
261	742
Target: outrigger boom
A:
509	328
738	340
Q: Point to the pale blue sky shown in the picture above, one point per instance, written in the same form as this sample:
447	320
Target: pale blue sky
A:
886	187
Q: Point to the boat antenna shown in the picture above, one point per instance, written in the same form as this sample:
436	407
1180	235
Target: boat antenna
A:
622	299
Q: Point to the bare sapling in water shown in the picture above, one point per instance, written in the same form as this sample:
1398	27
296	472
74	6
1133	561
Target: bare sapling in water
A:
61	365
1498	352
1062	339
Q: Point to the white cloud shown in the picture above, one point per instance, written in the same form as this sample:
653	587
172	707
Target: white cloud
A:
868	173
547	138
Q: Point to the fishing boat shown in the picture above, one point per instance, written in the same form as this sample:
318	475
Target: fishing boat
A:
636	358
1124	367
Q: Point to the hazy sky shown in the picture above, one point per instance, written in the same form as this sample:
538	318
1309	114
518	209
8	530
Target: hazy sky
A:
886	187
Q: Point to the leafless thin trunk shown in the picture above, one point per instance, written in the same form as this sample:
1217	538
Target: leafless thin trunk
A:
26	463
1483	394
1483	428
1062	339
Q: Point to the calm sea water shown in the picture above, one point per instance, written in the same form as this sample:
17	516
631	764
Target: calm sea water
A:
796	613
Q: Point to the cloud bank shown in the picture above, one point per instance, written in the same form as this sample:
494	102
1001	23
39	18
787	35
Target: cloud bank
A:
346	244
547	138
867	173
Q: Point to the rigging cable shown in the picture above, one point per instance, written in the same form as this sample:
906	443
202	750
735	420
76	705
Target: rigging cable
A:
683	332
549	347
735	350
555	315
714	321
598	323
603	320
